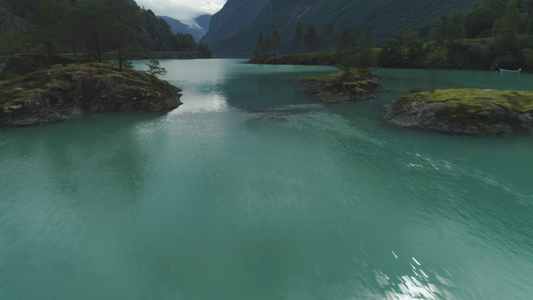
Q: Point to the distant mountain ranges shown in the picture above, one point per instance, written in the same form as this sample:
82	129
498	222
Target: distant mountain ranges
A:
197	30
234	29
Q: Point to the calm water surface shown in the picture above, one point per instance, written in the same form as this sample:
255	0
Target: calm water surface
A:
255	190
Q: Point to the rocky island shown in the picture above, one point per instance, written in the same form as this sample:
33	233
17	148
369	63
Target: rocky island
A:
464	111
344	86
33	94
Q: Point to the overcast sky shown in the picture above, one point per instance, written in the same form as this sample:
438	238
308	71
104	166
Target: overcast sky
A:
182	9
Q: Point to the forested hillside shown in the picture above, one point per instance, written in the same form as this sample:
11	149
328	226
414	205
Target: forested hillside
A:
234	30
91	27
493	34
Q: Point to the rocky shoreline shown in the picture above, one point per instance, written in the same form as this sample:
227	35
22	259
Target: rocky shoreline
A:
62	92
342	87
464	111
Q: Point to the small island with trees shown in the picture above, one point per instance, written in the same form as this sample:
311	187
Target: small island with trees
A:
67	58
492	35
353	57
34	91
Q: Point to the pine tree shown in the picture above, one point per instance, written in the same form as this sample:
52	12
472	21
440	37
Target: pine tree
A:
154	70
263	43
299	32
50	29
311	38
347	40
276	41
123	17
330	35
506	29
366	57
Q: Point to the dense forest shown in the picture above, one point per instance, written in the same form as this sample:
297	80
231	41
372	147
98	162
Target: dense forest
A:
89	27
493	34
235	27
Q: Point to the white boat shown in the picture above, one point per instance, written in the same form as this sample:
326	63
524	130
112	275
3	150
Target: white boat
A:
510	71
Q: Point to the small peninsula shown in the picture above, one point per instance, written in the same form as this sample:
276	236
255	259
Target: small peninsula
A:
63	91
344	86
465	111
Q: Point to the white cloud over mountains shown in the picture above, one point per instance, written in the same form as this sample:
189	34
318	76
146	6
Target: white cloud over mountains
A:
183	10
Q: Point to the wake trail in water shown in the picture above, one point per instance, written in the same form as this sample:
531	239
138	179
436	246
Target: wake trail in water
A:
314	116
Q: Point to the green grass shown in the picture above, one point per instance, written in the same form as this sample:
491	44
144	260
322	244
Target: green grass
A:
16	88
354	74
476	99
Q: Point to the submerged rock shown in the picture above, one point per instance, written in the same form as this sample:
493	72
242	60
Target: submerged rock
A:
464	111
341	87
62	92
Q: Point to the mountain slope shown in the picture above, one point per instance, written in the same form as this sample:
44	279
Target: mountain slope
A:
16	16
8	21
235	16
234	29
156	32
197	30
204	21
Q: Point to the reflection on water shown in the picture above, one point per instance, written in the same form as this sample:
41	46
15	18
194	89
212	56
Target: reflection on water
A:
416	284
253	189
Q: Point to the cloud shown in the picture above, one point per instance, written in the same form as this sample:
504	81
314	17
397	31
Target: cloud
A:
182	10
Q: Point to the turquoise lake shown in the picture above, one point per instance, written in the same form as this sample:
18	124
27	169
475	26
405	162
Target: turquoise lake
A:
254	189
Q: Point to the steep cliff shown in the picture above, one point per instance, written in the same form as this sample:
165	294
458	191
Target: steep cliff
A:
8	21
234	29
232	19
156	32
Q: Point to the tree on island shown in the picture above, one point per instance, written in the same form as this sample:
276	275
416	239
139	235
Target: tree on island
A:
367	57
299	32
352	57
330	35
276	41
155	70
347	40
263	43
311	38
49	29
124	17
346	61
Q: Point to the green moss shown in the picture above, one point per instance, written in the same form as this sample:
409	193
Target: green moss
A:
63	78
356	84
354	75
475	100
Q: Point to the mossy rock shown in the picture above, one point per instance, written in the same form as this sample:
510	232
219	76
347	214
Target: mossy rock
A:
58	92
343	86
465	111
